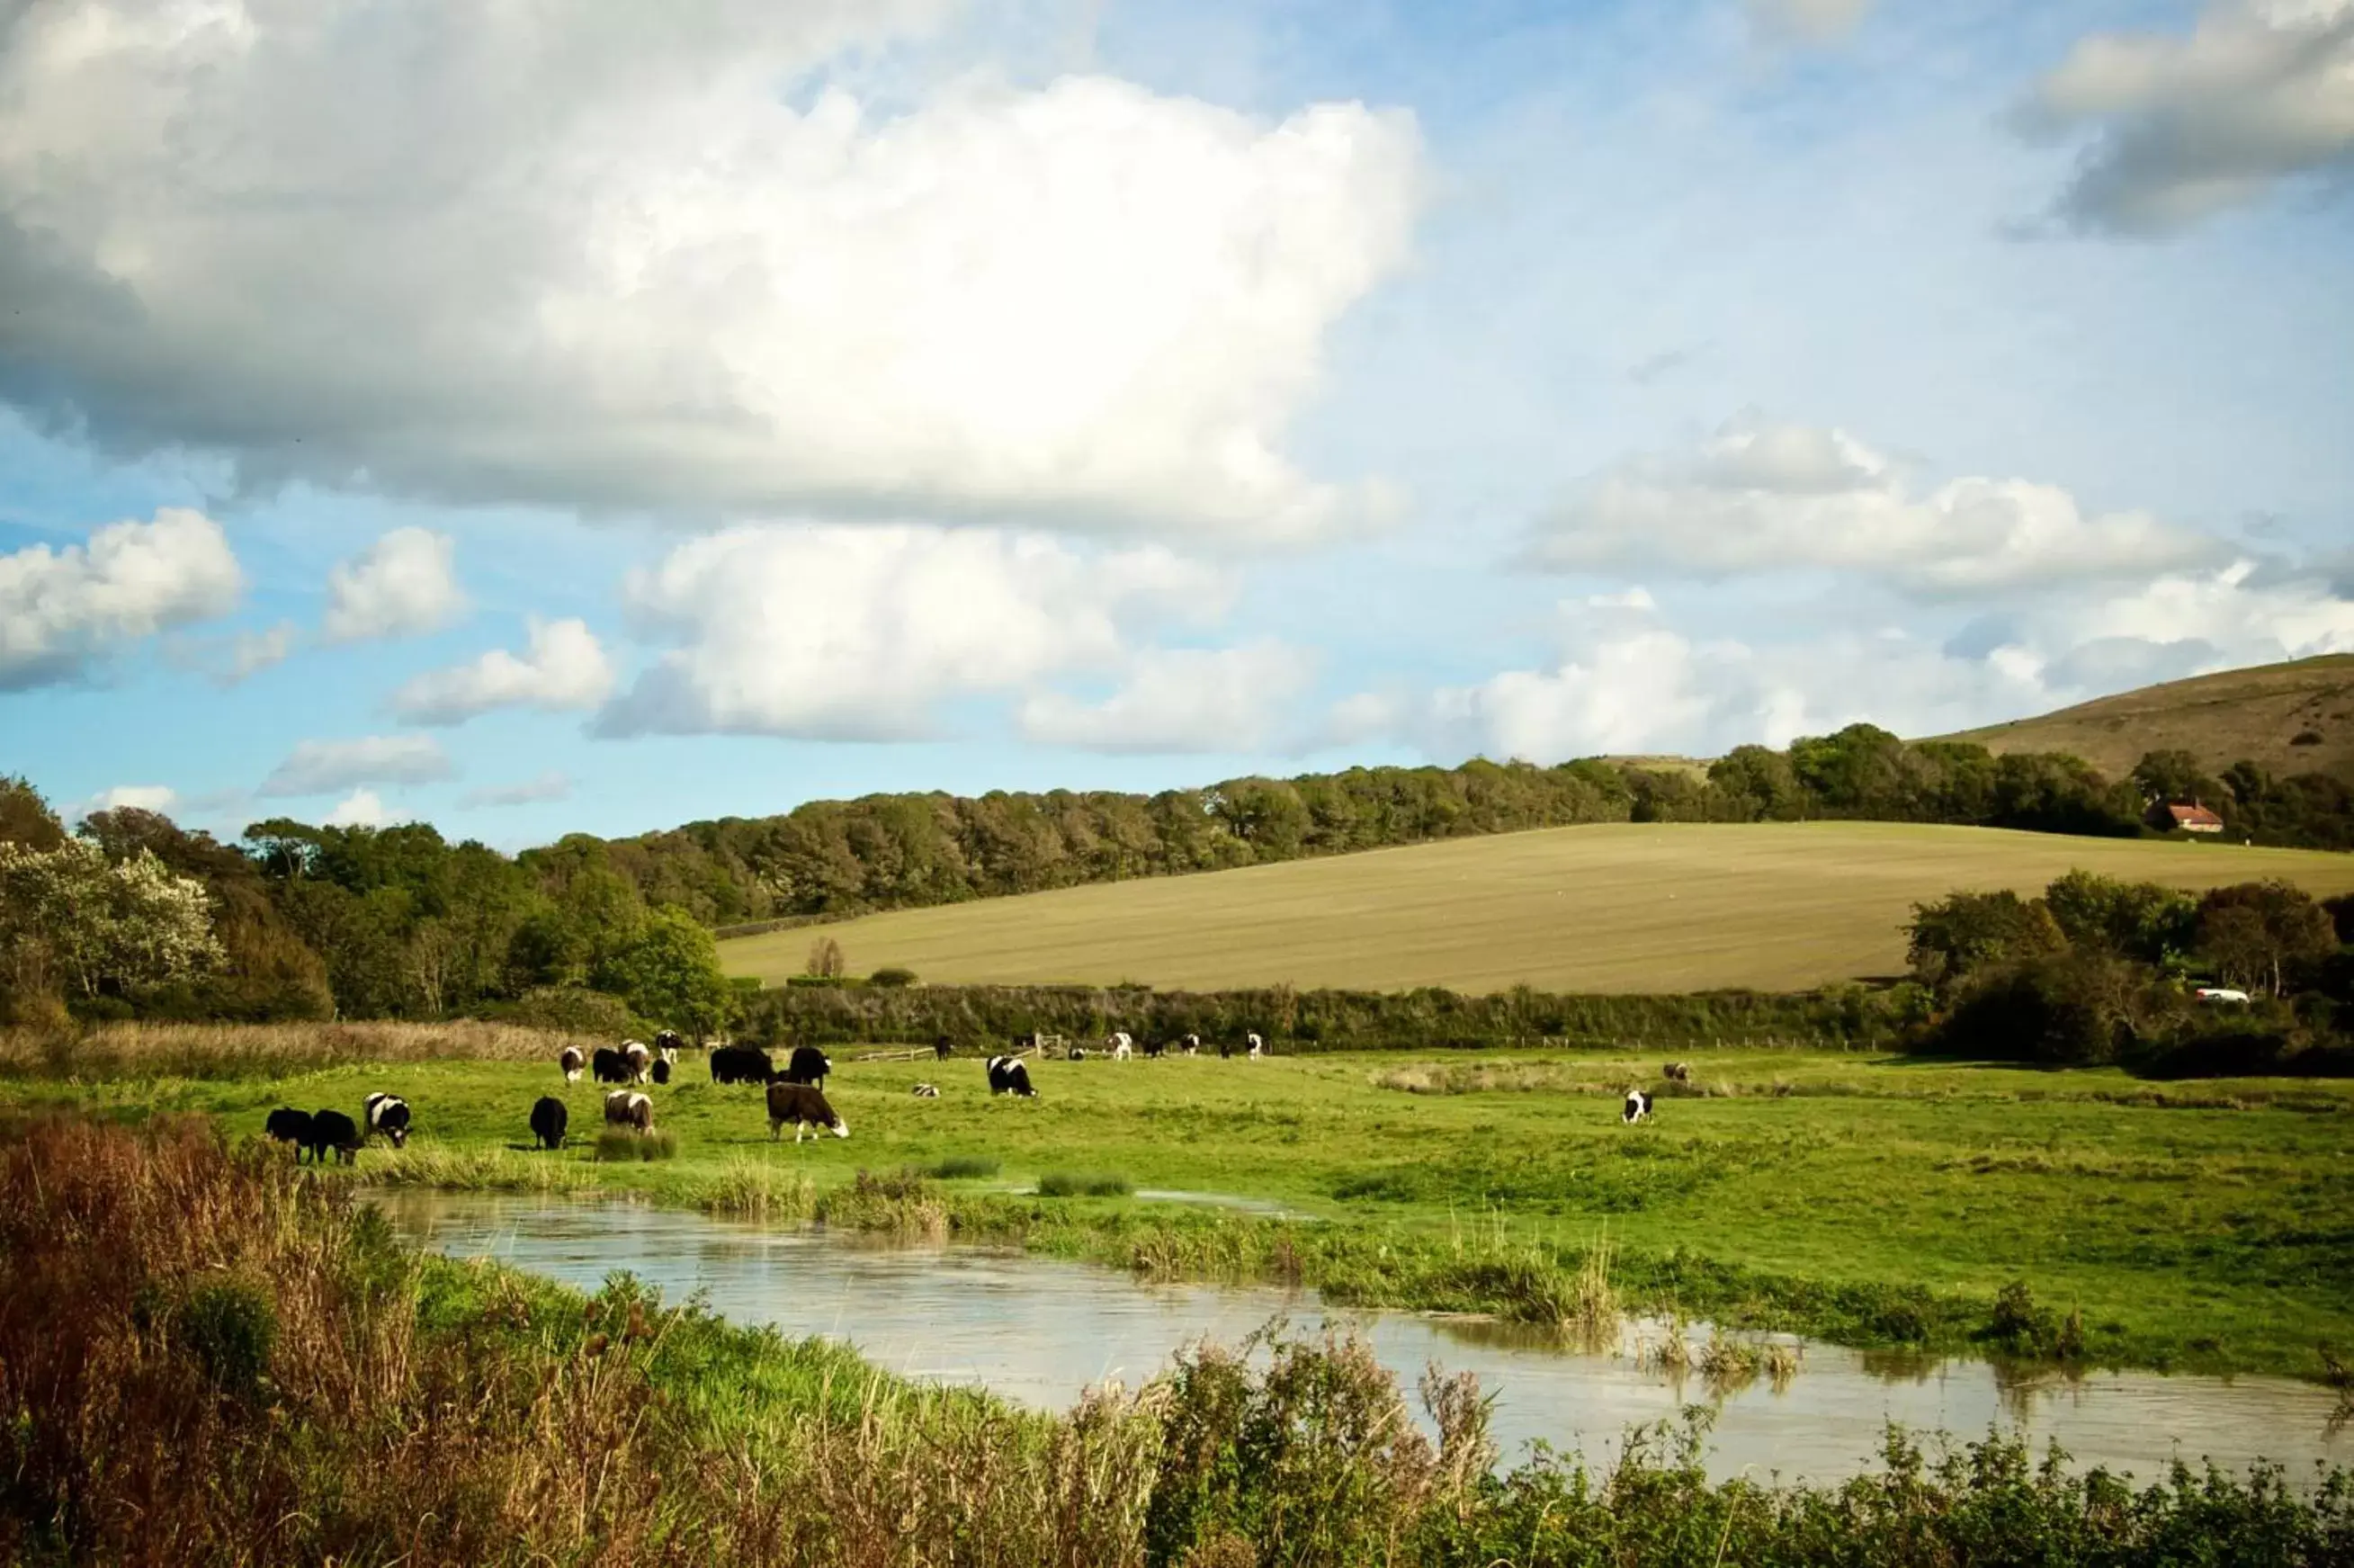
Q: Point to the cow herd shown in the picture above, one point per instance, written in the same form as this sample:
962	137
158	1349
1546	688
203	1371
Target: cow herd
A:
320	1133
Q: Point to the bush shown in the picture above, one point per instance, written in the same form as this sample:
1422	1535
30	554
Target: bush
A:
892	975
621	1146
229	1327
1084	1184
962	1166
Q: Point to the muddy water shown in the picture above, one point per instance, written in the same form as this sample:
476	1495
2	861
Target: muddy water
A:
1039	1330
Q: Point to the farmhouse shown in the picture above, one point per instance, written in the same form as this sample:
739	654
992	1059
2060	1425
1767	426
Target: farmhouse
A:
2193	818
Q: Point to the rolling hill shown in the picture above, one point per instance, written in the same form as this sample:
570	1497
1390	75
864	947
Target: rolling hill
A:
1607	908
2296	718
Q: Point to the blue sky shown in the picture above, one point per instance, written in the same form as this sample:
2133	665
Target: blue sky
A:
597	419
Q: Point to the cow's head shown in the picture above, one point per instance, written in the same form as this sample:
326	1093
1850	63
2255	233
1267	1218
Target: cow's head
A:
841	1128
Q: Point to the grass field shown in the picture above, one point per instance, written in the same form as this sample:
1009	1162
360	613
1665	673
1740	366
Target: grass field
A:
1875	1201
1614	907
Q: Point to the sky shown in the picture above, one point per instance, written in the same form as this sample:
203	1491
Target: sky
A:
539	418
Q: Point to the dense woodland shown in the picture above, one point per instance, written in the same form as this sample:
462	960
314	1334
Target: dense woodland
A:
132	914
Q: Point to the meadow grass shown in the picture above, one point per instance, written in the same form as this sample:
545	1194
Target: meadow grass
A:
1871	1202
1608	907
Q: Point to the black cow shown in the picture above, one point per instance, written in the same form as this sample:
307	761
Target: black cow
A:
1152	1049
808	1065
287	1125
610	1066
943	1048
1007	1075
548	1119
1226	1048
388	1114
333	1129
740	1064
661	1071
805	1107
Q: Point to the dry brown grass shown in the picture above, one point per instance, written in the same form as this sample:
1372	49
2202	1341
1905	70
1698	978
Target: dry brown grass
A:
233	1049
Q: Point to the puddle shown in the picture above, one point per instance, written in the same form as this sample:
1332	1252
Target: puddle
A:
1039	1330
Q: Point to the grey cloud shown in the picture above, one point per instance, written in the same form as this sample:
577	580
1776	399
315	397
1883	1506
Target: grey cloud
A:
323	767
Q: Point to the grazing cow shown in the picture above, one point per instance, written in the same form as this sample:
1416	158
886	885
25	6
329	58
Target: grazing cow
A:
287	1125
943	1048
634	1111
928	1091
607	1065
570	1063
662	1070
1152	1049
1638	1106
640	1059
549	1118
1677	1072
1191	1044
1007	1075
388	1114
740	1064
804	1106
1078	1053
1225	1049
808	1065
333	1129
669	1043
1118	1044
1258	1046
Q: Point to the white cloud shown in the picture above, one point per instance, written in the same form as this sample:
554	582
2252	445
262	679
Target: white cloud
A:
360	809
323	767
2183	127
63	611
565	669
841	632
1810	21
138	797
1178	699
1759	497
531	791
405	584
666	262
250	652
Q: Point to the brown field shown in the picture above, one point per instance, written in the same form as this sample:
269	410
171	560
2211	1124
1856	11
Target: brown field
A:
2256	715
1616	907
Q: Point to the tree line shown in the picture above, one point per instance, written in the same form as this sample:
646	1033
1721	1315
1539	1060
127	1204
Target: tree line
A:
830	859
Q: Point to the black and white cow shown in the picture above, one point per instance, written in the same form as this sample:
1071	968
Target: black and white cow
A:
287	1125
669	1043
741	1065
1638	1106
1191	1044
1007	1075
569	1063
1120	1044
624	1107
388	1114
548	1119
640	1058
928	1091
804	1106
333	1129
1677	1072
808	1064
1258	1046
662	1070
943	1048
607	1065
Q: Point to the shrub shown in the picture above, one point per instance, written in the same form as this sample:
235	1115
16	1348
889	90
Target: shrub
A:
959	1166
893	976
1084	1184
228	1326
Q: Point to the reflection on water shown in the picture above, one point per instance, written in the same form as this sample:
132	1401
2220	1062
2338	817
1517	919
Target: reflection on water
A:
1039	1330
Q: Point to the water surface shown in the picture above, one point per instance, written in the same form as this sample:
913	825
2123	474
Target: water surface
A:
1039	1330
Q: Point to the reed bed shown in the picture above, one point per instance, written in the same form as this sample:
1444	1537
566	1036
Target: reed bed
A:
152	1050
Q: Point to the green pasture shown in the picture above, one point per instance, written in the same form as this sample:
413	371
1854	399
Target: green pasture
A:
1609	907
2206	1224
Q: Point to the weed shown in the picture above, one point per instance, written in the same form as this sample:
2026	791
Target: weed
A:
962	1167
758	1191
1084	1184
618	1144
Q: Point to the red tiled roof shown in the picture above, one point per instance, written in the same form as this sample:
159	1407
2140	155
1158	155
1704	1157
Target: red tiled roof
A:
2193	817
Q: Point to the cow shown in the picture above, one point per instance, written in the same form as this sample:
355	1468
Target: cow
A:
388	1114
1007	1075
569	1061
928	1091
549	1118
1078	1053
634	1111
1024	1043
804	1106
669	1043
809	1066
640	1059
1191	1044
1118	1043
1258	1046
1225	1049
662	1070
333	1129
1638	1106
740	1064
607	1065
943	1048
287	1125
1677	1072
1152	1049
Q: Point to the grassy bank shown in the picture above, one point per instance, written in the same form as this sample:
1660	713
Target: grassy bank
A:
212	1358
2196	1225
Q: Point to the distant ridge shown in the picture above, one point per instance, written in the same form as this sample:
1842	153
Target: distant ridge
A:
2296	718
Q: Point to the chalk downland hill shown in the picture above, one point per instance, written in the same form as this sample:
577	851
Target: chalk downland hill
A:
2296	718
1614	907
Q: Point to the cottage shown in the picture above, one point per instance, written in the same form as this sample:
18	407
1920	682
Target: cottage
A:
2194	819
